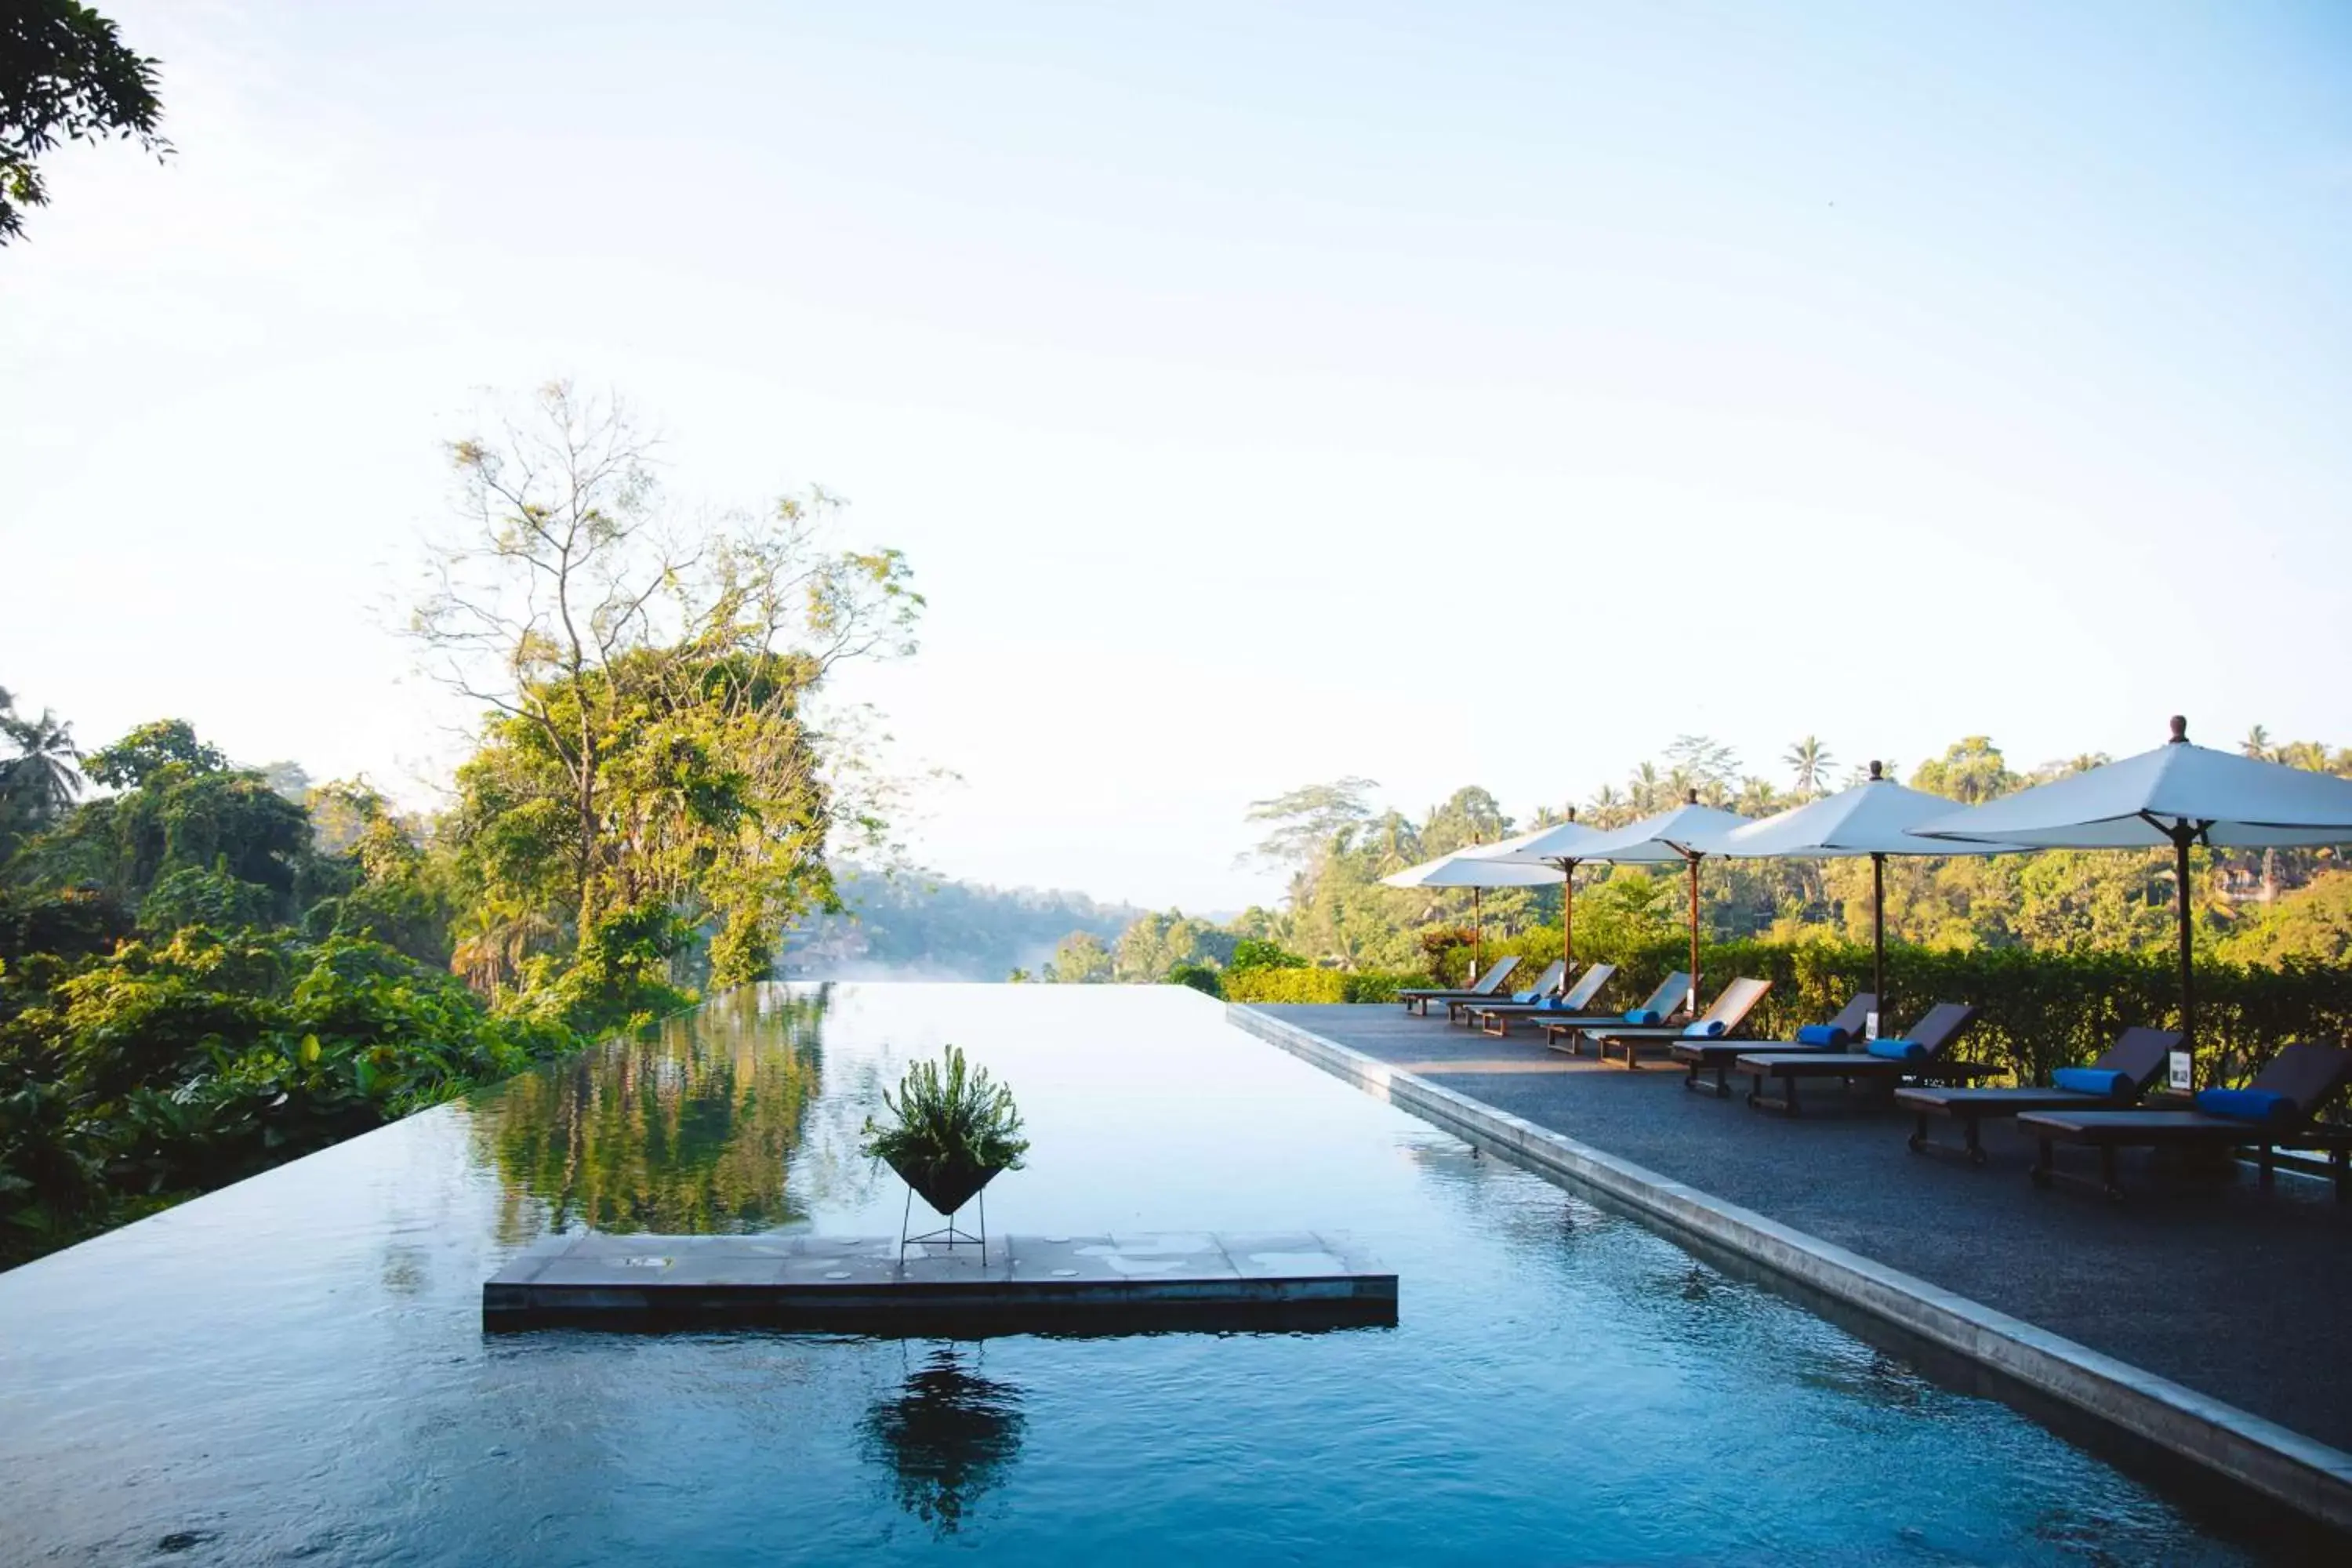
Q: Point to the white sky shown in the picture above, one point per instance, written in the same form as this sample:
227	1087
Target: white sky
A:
1465	394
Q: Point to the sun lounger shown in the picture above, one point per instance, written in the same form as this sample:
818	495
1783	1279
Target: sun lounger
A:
1546	985
1495	1018
1730	1010
1717	1055
1418	999
2135	1061
1664	1005
1920	1054
2276	1111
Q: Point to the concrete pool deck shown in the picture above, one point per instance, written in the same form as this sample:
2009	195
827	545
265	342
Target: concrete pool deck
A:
2200	1314
874	1285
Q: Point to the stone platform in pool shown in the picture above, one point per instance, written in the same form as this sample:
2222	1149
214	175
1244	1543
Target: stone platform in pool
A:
1024	1284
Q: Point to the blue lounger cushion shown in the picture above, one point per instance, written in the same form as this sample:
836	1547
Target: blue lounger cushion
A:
1899	1051
2246	1104
2093	1081
1524	996
1705	1029
1828	1034
1648	1017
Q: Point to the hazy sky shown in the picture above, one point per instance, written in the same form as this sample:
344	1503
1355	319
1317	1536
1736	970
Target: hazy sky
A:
1456	393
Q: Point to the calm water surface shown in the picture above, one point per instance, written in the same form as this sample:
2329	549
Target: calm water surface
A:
294	1368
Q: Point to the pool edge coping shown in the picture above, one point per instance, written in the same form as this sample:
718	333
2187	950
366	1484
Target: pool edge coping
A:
2274	1460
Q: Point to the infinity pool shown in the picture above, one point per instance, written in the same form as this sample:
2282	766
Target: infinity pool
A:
294	1368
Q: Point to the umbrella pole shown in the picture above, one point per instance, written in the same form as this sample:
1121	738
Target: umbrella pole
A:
1878	930
1477	926
2188	962
1568	921
1694	912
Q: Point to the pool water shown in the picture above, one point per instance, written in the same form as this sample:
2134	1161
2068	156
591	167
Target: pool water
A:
295	1368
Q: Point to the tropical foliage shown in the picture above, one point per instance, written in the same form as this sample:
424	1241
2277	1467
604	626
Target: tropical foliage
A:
1335	843
205	969
65	76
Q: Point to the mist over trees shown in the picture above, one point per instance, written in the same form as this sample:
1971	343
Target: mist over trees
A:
911	925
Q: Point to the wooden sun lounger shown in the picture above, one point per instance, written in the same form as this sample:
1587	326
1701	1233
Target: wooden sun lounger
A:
1730	1009
1667	1001
1458	1009
2309	1076
1702	1055
1495	1020
1418	999
2139	1054
1944	1023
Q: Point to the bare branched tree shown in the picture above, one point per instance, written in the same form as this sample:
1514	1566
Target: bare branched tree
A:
573	590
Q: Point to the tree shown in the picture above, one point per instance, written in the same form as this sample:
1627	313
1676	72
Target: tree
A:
39	784
149	750
648	749
1811	762
1308	818
1702	760
2257	743
65	76
181	809
1081	960
1970	771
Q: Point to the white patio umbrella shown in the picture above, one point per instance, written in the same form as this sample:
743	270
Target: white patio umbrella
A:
1873	818
1462	869
2176	794
1561	845
1687	833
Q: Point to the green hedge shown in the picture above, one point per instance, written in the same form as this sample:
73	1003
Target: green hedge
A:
1315	985
2037	1010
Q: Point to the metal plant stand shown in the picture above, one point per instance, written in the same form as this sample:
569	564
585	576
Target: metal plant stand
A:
947	1235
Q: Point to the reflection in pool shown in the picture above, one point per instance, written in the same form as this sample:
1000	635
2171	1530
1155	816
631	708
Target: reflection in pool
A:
296	1367
947	1435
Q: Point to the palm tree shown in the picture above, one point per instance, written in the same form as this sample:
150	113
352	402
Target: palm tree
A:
2257	743
1811	760
40	781
1642	788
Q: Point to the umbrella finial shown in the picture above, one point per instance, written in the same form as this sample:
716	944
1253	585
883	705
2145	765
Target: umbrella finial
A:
2180	730
1571	814
1877	771
1690	798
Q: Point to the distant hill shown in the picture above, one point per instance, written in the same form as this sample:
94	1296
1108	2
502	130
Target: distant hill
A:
917	926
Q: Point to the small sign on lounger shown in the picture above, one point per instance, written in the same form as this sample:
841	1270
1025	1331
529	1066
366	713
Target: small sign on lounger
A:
2180	1075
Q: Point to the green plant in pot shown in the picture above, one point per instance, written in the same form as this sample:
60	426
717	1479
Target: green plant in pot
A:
953	1128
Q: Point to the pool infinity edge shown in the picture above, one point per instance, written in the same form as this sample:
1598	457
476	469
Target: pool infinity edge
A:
2276	1461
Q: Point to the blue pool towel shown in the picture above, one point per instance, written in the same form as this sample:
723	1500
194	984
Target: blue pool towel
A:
2246	1104
1828	1034
1647	1017
1705	1029
2093	1081
1899	1051
1524	996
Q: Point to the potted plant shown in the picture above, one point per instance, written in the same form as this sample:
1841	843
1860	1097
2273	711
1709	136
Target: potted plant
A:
952	1129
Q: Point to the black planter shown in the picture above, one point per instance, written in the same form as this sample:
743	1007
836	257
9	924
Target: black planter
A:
945	1184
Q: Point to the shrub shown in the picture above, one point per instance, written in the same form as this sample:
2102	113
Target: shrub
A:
1250	953
1315	985
1201	977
